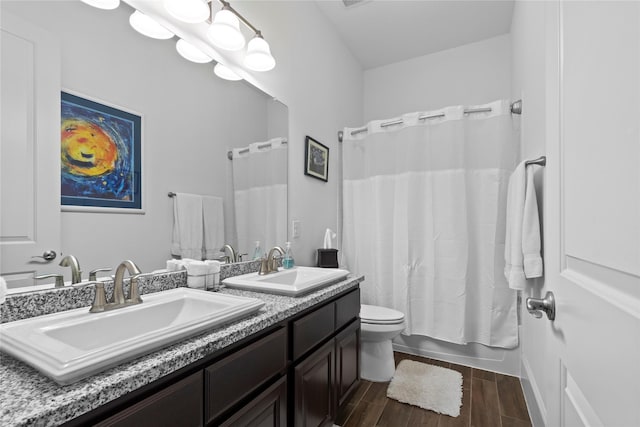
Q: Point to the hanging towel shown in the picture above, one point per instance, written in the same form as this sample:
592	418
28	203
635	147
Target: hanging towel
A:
523	229
213	214
187	226
531	230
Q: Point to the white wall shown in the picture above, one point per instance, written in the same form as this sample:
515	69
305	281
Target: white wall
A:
528	35
321	82
475	73
190	116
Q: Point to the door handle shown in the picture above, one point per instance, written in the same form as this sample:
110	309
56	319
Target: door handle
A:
47	255
536	306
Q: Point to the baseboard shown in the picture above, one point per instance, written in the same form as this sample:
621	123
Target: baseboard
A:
504	361
532	396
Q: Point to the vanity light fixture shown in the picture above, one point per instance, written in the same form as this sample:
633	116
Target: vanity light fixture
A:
259	56
192	53
224	31
148	26
225	72
190	11
103	4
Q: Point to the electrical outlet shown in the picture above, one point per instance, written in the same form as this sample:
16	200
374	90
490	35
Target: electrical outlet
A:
295	229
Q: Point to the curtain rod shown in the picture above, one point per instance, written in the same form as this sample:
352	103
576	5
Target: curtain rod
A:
516	108
246	149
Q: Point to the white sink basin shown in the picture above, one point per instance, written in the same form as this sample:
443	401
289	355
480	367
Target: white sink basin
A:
293	282
74	344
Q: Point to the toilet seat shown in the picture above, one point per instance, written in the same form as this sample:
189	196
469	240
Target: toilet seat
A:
376	315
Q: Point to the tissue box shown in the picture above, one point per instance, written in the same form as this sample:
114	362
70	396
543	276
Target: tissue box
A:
327	258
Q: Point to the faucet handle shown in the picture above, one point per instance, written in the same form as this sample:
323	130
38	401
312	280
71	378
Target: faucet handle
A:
93	274
59	279
134	292
99	299
264	266
239	256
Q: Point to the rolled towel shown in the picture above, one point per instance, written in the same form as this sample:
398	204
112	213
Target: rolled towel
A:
175	264
196	274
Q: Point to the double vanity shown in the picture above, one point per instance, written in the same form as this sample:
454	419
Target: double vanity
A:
262	358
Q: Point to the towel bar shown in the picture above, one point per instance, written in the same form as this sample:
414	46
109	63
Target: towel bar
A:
540	161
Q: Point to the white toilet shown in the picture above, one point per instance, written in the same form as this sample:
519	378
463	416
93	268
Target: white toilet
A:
379	325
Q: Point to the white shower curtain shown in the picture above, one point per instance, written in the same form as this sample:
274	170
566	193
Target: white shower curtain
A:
424	221
260	194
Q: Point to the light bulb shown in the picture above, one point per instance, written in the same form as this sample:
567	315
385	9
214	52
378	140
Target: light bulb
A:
103	4
192	53
259	56
224	32
224	72
148	26
191	11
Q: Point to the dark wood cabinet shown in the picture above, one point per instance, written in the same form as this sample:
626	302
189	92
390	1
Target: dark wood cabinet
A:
269	409
326	361
314	396
347	361
231	379
180	404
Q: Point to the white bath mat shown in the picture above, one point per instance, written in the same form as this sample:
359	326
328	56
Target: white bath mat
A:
427	386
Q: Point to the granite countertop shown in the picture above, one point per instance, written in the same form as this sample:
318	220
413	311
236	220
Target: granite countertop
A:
29	398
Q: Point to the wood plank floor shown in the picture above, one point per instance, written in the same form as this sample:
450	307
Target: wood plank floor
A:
488	400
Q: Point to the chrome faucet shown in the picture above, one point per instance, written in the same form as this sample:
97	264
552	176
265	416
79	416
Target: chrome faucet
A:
232	257
269	264
100	301
72	261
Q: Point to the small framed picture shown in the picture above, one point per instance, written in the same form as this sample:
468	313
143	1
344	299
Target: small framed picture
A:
316	159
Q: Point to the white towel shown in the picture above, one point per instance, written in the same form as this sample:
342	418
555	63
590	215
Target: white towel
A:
197	274
531	230
187	226
523	229
213	214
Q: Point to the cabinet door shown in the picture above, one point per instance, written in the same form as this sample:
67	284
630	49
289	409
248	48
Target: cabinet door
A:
269	409
347	361
314	388
178	405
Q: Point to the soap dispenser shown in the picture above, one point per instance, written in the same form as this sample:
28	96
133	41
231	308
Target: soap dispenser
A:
287	260
258	253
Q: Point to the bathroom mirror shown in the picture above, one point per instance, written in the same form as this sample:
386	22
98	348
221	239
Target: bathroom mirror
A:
190	118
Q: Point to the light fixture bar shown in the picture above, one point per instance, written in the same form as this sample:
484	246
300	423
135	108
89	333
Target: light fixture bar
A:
240	17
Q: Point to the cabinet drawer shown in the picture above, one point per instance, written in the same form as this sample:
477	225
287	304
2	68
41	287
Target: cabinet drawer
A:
312	329
239	374
269	409
179	404
347	308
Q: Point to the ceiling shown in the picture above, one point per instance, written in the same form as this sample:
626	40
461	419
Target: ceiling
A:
381	32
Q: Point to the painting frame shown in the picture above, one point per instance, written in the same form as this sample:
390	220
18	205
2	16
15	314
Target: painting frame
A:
316	163
90	186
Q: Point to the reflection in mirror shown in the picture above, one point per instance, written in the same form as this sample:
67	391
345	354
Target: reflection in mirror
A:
191	119
260	195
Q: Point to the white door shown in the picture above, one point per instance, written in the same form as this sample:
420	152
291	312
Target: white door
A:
592	214
29	151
